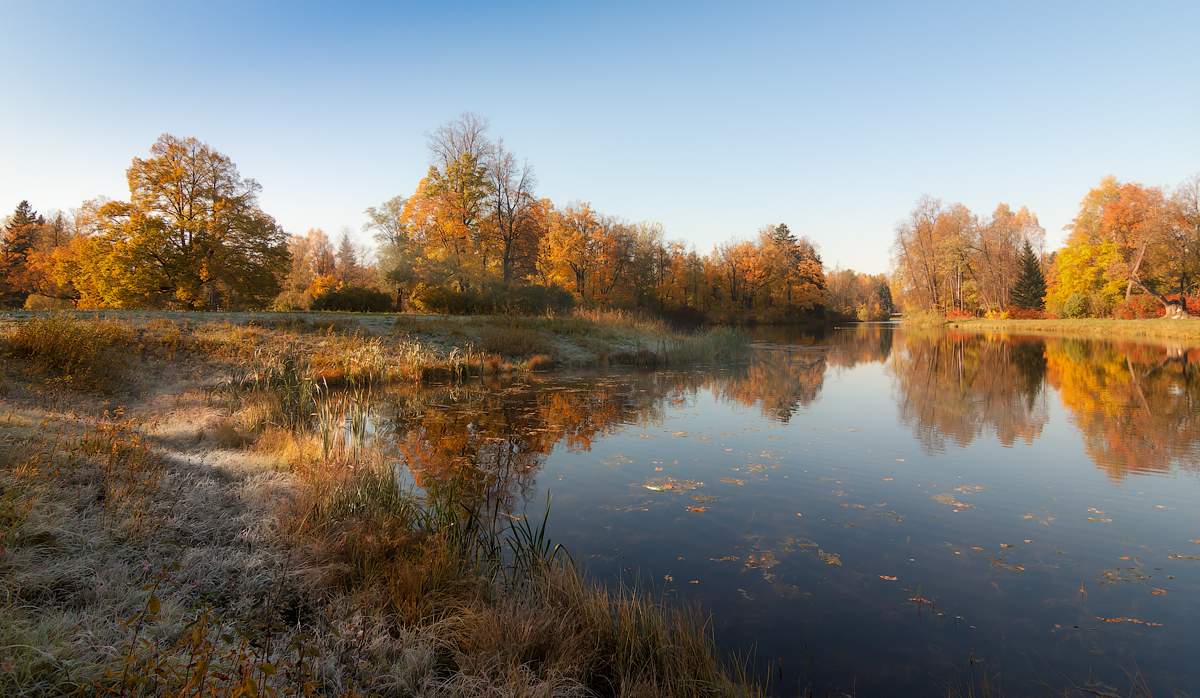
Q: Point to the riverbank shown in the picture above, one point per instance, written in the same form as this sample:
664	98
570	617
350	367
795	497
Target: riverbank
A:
1090	328
398	347
186	506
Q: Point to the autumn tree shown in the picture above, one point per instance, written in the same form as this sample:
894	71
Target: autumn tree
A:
1126	237
515	219
191	236
569	248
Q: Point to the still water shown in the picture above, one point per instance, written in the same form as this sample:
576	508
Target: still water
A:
877	510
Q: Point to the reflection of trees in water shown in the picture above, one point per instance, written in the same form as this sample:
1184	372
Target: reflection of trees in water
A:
1137	406
493	438
862	343
783	377
953	386
780	381
490	441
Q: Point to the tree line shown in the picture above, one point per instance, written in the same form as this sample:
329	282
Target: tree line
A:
1132	251
473	236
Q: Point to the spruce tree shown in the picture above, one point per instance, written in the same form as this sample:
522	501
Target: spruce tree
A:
19	238
1030	289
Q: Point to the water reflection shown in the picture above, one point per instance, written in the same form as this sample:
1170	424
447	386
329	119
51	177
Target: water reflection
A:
873	508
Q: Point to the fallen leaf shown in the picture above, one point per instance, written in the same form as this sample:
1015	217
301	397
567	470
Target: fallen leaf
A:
733	481
1126	619
831	559
696	509
887	578
950	501
1158	592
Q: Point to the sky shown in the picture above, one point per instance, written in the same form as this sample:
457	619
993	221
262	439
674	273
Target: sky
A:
712	119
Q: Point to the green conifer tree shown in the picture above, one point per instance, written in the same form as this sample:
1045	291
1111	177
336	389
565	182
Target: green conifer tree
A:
1030	290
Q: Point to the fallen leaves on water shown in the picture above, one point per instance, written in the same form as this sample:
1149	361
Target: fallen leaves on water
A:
725	558
1158	592
1044	520
733	481
704	498
697	510
950	501
1129	619
1001	564
887	577
670	484
920	601
1181	556
693	581
668	578
1097	516
1119	575
679	434
831	559
969	489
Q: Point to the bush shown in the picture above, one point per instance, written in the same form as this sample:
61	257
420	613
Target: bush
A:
1139	307
1026	314
360	299
438	299
956	314
538	300
1076	306
1190	303
86	353
515	341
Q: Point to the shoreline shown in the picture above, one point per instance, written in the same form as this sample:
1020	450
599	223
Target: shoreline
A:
1156	329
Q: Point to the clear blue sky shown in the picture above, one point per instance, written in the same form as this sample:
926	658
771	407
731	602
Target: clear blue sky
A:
712	119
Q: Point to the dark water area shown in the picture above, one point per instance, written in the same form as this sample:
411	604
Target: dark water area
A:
876	510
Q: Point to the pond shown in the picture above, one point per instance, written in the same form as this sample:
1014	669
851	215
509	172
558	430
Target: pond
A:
877	510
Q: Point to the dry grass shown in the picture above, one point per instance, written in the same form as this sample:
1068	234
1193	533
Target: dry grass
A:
1160	328
83	353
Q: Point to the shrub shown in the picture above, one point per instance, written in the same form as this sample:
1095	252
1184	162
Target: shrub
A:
1191	303
86	353
1139	307
538	300
438	299
353	298
998	314
1026	314
1076	306
956	314
515	341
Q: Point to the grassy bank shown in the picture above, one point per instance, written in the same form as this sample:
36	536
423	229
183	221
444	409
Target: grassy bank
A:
187	508
1185	330
340	346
